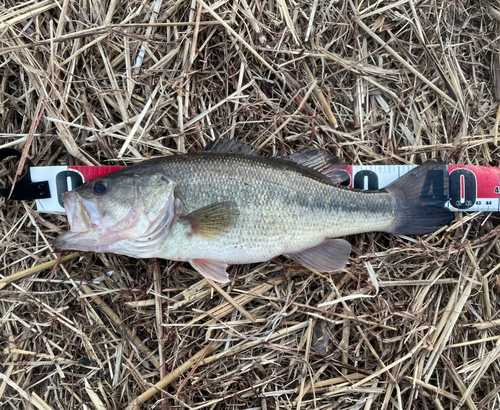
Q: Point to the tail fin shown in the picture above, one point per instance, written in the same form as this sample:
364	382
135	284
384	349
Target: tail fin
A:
421	195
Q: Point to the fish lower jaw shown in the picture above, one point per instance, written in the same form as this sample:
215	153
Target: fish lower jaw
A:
84	241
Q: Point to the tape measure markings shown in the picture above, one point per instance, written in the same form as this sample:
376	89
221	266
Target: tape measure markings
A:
472	188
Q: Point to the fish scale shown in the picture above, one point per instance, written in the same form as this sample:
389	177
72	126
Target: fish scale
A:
224	207
281	209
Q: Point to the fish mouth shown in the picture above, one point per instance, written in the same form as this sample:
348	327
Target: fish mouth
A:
83	219
130	234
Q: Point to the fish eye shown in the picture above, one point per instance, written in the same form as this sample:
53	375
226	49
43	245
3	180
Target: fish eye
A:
100	187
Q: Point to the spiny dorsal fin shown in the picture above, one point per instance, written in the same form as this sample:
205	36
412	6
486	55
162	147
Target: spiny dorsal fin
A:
212	221
321	161
225	146
316	159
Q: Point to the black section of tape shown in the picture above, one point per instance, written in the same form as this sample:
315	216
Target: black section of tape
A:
359	180
62	183
24	189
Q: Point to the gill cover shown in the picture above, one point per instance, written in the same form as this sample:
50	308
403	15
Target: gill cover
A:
131	213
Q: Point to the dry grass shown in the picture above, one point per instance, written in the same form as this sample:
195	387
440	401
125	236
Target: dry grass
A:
108	82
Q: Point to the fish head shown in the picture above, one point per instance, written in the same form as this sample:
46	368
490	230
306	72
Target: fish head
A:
115	208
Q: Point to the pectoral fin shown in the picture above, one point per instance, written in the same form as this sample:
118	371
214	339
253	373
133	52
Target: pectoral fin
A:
211	269
212	221
329	256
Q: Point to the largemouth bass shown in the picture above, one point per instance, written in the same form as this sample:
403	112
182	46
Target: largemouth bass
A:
232	206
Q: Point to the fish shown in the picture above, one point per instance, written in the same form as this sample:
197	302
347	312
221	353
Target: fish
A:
230	205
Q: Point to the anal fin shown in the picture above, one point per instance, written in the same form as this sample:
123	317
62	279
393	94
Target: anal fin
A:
329	256
211	269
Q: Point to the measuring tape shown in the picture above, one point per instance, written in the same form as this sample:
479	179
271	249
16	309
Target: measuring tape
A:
472	188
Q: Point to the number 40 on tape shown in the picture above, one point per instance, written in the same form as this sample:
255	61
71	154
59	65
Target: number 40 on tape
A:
472	188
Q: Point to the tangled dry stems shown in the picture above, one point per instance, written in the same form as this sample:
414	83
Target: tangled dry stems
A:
106	82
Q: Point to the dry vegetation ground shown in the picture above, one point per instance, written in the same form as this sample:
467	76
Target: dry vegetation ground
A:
376	82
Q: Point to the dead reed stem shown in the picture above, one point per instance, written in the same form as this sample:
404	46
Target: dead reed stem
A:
411	323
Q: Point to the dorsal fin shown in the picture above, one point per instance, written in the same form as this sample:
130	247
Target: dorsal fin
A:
225	146
321	161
